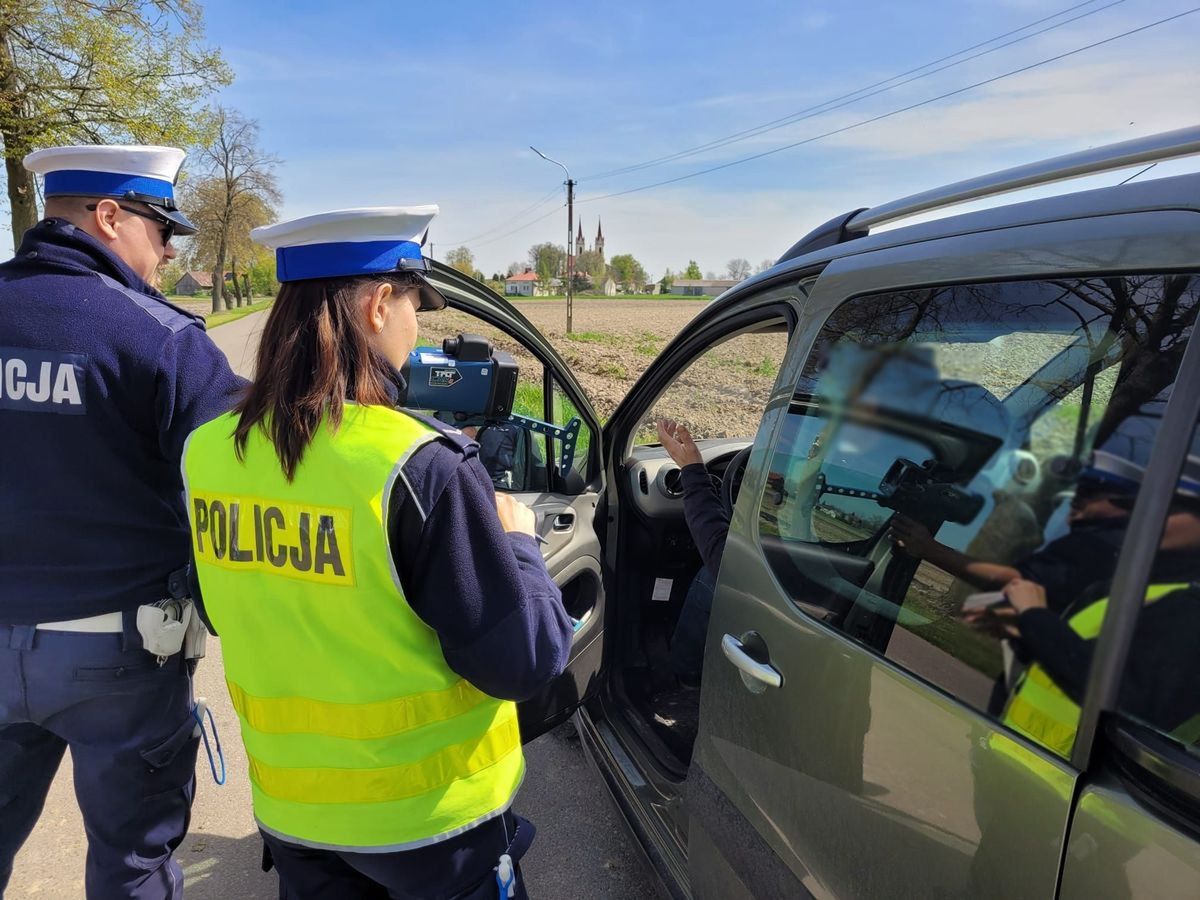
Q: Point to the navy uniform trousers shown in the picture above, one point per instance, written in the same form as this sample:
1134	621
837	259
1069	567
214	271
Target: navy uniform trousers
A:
459	868
129	725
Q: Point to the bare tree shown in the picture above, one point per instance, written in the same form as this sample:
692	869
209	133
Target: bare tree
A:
738	269
764	265
241	182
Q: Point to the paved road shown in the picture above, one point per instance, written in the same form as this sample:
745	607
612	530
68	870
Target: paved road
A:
582	849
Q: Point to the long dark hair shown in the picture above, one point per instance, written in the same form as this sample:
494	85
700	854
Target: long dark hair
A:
314	353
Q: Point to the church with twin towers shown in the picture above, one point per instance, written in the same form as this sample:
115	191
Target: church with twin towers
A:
581	245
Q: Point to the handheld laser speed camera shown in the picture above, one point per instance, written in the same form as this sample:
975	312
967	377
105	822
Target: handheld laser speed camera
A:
470	380
465	377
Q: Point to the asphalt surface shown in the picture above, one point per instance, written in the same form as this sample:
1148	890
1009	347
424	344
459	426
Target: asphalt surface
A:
582	846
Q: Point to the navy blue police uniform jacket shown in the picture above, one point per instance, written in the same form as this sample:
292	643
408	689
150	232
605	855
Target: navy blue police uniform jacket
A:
101	381
498	615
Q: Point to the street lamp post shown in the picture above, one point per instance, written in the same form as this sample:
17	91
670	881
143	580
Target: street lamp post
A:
570	229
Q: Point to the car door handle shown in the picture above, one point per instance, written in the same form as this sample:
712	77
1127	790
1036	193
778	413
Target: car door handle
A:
564	522
736	653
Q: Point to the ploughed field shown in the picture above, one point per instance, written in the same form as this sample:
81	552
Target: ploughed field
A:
613	342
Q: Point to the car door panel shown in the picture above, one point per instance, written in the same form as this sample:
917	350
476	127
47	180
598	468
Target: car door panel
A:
1118	850
832	787
565	521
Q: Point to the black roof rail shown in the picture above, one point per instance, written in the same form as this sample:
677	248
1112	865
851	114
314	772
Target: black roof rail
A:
1152	148
828	235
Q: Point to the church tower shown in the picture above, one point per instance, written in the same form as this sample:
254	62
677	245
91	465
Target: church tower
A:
580	244
599	240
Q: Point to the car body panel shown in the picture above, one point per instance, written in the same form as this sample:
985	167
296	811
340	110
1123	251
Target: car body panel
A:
864	779
1117	850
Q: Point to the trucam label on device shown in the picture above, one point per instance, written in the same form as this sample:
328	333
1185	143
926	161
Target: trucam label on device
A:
444	378
312	543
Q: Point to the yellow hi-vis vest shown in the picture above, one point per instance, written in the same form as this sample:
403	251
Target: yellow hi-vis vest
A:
1038	708
359	736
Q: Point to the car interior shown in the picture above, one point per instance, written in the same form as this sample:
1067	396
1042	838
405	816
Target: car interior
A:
658	559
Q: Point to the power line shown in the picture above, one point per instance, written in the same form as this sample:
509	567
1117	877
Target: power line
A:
504	224
520	227
896	112
1137	173
861	93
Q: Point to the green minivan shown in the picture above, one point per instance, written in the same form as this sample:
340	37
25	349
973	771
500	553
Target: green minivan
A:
901	425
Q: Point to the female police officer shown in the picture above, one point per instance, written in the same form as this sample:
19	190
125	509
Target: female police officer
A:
377	617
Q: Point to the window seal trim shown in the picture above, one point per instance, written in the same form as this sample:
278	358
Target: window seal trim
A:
1146	523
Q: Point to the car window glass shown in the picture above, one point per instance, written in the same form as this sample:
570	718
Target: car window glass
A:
1160	686
723	391
563	414
514	458
942	442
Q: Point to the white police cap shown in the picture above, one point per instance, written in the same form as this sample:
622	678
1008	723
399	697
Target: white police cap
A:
350	242
142	174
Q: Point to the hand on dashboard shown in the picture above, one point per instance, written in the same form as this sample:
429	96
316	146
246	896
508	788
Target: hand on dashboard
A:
678	443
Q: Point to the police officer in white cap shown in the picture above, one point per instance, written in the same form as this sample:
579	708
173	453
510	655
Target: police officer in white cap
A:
101	381
380	608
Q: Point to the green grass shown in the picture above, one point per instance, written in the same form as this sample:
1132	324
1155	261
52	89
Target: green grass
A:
614	370
529	401
648	344
594	337
768	367
232	315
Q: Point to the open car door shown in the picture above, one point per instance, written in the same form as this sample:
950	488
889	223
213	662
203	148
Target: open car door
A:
565	490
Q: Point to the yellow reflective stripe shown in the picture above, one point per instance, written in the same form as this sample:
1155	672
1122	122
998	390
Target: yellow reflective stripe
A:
1039	710
343	786
1087	622
358	721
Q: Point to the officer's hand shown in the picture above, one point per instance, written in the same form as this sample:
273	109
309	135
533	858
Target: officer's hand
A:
678	443
515	516
1025	595
911	536
999	622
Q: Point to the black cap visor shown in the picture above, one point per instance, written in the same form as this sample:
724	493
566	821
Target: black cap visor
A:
183	227
431	298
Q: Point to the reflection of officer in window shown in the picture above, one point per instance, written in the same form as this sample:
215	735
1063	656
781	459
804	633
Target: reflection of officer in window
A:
103	380
380	608
1157	687
1086	555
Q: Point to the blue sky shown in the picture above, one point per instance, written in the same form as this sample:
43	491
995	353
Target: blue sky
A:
379	103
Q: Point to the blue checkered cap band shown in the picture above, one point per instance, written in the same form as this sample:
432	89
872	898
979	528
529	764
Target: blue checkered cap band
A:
346	258
75	182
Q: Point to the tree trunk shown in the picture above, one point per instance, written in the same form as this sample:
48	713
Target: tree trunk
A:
218	279
22	196
249	291
236	282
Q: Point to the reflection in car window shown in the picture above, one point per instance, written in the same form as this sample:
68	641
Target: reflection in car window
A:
943	442
1161	683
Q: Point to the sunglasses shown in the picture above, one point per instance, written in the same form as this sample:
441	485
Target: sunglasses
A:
167	227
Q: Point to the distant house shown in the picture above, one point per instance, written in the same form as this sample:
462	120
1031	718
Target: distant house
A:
702	287
192	283
524	284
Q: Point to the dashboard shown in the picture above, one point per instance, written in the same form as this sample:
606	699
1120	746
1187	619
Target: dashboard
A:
655	482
